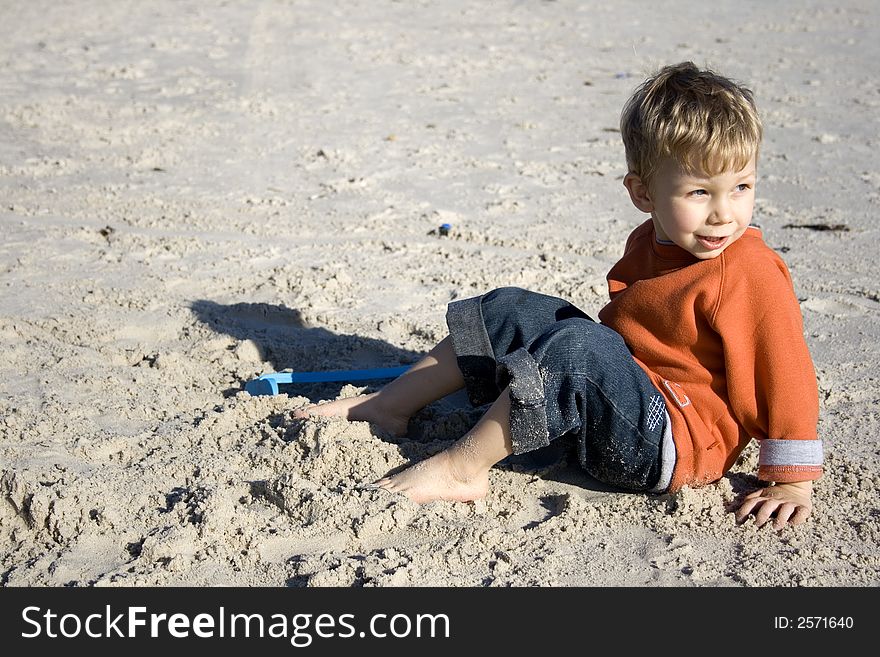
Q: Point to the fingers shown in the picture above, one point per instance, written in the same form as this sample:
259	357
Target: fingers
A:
746	507
800	515
790	513
783	513
765	509
751	502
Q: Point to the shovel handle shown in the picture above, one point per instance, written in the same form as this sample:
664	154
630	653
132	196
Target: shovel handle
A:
267	384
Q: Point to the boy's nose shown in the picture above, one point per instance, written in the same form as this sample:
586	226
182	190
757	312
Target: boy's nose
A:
721	214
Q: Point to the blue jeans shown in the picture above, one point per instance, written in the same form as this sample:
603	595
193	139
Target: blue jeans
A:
568	376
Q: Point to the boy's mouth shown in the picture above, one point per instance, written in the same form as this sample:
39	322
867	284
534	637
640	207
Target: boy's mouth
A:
712	243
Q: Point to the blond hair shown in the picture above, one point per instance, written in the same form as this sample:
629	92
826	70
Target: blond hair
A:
705	121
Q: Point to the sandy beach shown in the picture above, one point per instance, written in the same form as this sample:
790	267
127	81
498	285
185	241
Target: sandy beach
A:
194	194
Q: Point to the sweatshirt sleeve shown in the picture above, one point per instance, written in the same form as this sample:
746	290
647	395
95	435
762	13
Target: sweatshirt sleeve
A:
771	381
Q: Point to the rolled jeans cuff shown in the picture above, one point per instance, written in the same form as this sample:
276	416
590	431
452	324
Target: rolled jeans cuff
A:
485	378
473	349
528	416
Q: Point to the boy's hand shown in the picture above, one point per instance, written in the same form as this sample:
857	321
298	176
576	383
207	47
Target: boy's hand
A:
786	503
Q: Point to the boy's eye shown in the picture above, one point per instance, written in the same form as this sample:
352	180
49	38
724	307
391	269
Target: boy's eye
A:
743	187
697	192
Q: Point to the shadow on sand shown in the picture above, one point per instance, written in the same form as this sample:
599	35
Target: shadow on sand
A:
288	343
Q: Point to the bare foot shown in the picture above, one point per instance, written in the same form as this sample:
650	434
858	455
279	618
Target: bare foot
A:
366	408
437	478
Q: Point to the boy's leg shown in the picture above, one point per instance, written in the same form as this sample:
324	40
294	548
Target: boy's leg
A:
460	473
486	328
591	388
433	377
513	315
560	373
577	378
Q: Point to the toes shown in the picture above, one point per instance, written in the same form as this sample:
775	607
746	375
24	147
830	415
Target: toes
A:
391	485
385	483
301	413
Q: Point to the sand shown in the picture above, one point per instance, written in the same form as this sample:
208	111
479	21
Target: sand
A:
197	193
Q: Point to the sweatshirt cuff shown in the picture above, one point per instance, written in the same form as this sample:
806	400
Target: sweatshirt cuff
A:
792	460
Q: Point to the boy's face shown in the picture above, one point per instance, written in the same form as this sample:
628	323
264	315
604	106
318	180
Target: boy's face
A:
700	213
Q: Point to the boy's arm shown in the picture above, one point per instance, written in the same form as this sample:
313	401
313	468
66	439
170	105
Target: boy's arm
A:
787	503
772	388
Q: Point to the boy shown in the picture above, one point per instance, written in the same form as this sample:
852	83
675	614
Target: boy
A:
699	350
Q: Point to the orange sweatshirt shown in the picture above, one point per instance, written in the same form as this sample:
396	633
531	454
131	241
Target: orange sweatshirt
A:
722	340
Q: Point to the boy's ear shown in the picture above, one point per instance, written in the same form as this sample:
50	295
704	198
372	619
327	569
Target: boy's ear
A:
638	192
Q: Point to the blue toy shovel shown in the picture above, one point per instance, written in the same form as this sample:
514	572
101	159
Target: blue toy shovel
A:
267	384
